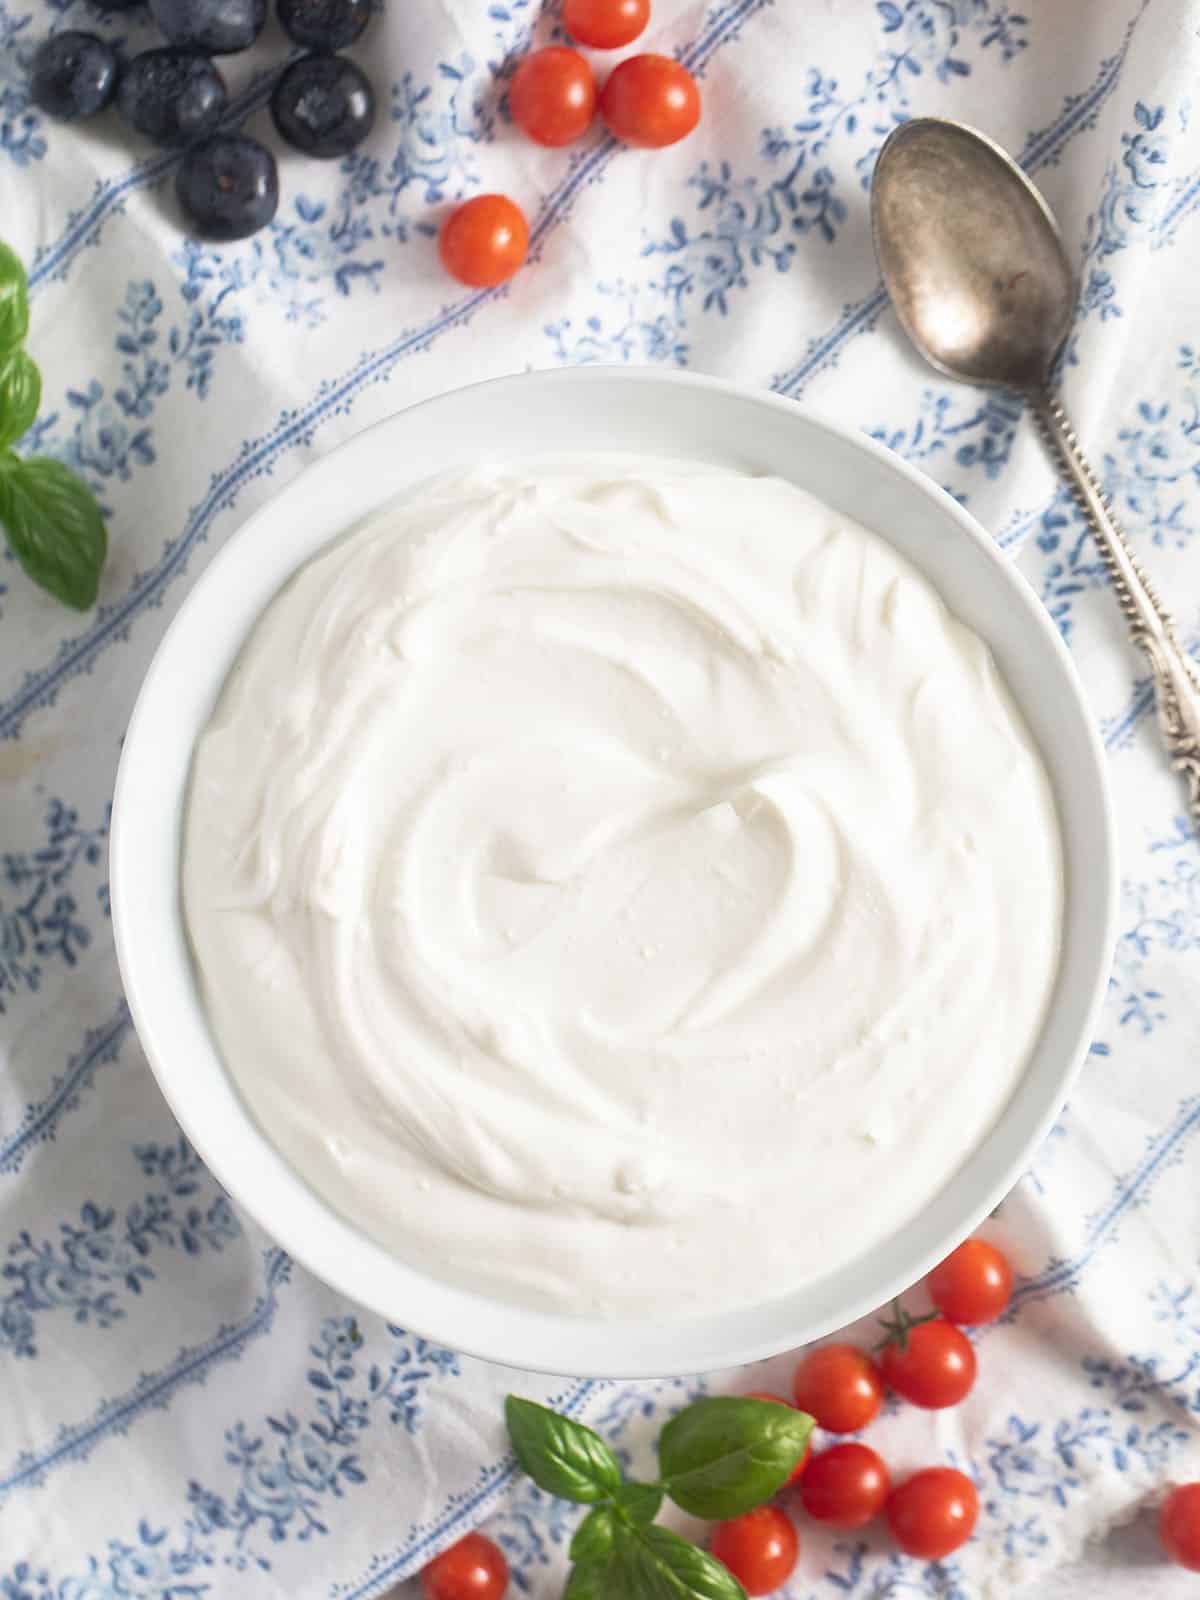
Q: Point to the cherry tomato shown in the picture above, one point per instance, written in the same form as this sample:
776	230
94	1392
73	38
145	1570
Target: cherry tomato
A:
927	1360
759	1548
845	1485
839	1386
472	1569
973	1284
1179	1526
650	101
933	1512
553	96
484	241
605	24
778	1400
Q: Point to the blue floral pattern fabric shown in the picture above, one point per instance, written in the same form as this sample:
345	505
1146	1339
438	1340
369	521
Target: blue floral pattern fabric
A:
184	1412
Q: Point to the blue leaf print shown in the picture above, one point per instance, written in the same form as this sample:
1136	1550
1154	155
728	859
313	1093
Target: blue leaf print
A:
41	921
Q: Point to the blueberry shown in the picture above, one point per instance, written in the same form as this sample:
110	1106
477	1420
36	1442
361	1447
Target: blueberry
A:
172	96
74	75
324	24
324	105
228	186
218	27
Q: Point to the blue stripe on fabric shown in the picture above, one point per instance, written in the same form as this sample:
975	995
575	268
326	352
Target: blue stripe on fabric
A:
1129	1191
1180	207
101	1046
153	1391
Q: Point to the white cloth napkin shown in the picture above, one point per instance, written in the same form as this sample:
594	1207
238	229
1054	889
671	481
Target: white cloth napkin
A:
183	1413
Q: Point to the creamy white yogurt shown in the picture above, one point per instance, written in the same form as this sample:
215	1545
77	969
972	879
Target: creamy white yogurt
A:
620	885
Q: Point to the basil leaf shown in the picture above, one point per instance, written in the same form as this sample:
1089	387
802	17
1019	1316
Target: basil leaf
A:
658	1565
594	1537
639	1501
725	1454
590	1583
560	1455
20	395
54	526
597	1536
14	300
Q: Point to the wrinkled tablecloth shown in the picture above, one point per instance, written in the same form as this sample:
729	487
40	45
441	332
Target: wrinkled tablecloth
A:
183	1412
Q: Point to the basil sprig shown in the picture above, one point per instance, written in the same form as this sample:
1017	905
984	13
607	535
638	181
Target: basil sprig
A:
54	525
719	1457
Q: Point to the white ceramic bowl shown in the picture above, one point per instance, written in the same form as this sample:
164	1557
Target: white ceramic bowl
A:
600	409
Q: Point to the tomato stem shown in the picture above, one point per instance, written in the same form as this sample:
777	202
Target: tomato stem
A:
901	1325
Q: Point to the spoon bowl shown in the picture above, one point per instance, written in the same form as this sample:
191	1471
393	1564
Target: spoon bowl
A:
971	254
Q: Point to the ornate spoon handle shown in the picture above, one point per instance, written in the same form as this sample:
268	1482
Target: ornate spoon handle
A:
1176	685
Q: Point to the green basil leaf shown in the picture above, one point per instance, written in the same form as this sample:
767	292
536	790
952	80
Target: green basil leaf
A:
54	526
726	1454
658	1565
640	1502
591	1583
560	1455
20	395
594	1537
14	300
596	1548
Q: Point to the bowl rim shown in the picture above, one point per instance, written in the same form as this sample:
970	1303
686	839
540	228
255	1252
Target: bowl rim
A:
330	1246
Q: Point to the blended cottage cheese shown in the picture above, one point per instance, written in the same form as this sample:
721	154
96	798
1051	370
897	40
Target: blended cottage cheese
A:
619	885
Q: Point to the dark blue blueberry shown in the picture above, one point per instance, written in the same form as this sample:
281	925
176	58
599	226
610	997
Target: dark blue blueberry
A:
324	24
218	27
74	75
324	105
172	96
228	186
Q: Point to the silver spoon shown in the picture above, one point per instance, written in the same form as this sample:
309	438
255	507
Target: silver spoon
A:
972	258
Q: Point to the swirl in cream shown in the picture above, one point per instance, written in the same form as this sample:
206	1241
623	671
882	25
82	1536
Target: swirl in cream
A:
619	884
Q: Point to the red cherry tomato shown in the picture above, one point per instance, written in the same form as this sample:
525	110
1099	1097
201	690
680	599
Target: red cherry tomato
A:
650	101
553	96
845	1485
484	241
605	24
933	1512
839	1386
472	1569
759	1548
930	1361
973	1284
778	1400
1179	1526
